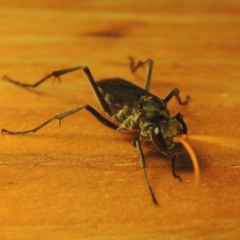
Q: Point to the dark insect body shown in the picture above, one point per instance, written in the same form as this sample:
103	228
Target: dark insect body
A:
130	108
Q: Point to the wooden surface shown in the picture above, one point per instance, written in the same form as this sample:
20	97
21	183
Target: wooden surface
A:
83	181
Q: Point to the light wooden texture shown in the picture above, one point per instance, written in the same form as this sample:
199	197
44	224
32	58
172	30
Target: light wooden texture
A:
83	181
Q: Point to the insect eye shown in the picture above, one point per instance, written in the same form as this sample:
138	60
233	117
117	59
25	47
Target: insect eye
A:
179	117
157	138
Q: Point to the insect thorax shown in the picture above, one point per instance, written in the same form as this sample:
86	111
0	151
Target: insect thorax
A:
143	115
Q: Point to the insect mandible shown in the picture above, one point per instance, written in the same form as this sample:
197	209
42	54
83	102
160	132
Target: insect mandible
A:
130	108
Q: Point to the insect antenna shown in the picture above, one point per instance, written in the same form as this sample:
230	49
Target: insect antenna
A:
182	140
224	141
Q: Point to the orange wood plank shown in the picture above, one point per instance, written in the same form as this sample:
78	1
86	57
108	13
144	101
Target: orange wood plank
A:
83	180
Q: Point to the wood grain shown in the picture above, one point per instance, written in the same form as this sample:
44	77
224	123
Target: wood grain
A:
83	181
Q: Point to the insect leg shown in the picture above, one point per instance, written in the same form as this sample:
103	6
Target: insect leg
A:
55	74
137	144
173	168
61	116
97	92
175	92
59	73
141	63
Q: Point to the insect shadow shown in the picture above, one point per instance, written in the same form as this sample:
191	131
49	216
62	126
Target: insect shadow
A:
130	108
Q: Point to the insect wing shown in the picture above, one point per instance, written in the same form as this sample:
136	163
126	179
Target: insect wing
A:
119	92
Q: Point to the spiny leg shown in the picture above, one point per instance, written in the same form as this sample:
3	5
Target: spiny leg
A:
59	73
173	168
137	144
55	74
62	115
175	92
96	90
141	63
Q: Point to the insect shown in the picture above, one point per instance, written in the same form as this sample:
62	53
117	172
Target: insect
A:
130	108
